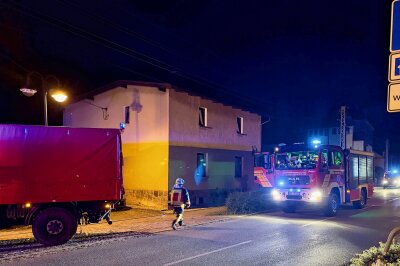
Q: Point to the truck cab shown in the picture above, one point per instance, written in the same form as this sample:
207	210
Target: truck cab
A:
264	169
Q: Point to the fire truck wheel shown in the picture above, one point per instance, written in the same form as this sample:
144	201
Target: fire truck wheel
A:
332	205
54	226
359	204
289	207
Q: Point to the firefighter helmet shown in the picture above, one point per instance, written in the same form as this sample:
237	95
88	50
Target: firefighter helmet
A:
179	181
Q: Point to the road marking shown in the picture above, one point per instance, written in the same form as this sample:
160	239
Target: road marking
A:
207	253
393	199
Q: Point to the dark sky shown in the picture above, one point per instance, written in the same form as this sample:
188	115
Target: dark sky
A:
295	61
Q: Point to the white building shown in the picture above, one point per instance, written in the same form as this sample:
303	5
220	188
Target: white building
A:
170	134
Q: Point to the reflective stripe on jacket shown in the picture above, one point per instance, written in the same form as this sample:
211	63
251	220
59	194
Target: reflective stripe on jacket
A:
179	196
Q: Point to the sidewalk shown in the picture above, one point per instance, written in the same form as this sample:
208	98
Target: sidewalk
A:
132	220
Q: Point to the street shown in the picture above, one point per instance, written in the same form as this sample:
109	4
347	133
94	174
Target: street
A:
275	238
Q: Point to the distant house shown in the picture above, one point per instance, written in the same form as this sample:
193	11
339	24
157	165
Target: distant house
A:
359	135
169	134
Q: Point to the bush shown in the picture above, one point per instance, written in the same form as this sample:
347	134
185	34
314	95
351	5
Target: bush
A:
371	255
248	202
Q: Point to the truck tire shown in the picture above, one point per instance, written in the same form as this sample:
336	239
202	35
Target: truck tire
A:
359	204
289	207
54	226
332	205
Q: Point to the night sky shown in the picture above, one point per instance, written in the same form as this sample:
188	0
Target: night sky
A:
294	62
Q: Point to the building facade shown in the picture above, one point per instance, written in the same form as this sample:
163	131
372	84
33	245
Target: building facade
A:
169	134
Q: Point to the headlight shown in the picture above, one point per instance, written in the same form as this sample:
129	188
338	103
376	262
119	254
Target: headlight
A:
275	194
384	182
315	195
394	181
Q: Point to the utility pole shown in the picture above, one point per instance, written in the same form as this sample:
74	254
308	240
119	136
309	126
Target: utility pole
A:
343	127
387	156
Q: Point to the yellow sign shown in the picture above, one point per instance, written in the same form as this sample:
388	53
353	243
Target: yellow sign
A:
394	68
393	100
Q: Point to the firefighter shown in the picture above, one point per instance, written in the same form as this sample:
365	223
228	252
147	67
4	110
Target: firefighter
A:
179	200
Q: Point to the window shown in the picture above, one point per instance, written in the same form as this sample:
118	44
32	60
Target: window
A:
324	159
202	116
239	122
362	164
201	169
370	168
335	159
126	114
238	166
262	160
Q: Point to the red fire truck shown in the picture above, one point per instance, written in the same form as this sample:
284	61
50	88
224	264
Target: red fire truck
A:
264	169
53	177
326	176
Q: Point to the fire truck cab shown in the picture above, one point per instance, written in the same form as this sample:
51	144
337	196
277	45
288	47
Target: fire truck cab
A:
264	169
325	176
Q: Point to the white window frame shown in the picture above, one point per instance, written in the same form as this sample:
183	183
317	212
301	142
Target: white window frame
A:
239	128
205	122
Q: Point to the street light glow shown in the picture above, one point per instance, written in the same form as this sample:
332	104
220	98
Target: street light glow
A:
59	96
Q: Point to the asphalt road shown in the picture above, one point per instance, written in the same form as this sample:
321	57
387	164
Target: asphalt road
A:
303	238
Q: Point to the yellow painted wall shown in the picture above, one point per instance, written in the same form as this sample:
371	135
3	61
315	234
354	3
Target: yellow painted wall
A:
146	166
144	139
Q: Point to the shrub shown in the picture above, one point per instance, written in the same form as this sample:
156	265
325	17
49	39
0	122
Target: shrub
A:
248	202
371	255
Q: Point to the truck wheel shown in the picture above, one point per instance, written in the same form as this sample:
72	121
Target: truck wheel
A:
332	205
54	226
359	204
289	207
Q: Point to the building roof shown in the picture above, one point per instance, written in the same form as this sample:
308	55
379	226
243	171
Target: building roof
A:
161	86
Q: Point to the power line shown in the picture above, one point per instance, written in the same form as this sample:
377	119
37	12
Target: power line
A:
117	26
5	55
96	38
122	49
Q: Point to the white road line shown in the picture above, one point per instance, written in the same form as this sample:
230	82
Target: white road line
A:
207	253
393	199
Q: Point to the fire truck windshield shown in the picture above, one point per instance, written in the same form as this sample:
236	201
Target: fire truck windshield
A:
297	160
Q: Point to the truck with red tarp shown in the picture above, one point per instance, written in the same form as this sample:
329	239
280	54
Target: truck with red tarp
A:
53	177
325	176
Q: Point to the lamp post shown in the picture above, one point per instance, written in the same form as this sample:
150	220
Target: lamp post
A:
29	90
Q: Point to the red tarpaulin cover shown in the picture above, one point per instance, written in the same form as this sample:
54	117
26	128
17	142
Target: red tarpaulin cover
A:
58	164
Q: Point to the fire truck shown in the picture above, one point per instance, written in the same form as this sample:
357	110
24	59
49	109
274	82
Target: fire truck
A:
264	169
325	176
56	177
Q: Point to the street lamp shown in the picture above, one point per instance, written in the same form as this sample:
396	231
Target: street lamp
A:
56	94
